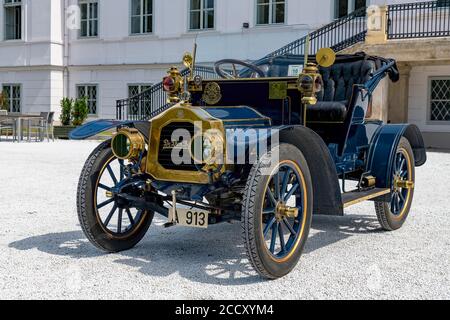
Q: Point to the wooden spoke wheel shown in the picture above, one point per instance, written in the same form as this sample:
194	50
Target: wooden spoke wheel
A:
277	211
107	220
393	214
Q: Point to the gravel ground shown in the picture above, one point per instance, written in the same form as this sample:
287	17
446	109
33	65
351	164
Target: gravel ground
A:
44	255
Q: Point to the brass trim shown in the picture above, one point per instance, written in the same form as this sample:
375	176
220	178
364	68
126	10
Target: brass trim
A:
278	90
137	143
254	79
365	198
212	93
189	114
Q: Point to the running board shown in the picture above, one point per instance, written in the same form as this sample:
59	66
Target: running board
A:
355	197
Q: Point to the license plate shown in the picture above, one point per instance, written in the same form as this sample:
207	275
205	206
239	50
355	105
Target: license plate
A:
192	218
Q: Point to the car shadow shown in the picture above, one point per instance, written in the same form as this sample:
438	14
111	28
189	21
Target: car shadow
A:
213	256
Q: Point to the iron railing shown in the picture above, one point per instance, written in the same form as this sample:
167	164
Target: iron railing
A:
338	35
405	21
153	101
419	20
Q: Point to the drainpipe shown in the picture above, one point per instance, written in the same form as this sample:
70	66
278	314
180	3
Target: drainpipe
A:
66	74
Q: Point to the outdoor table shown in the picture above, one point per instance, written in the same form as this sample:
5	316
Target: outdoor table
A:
18	119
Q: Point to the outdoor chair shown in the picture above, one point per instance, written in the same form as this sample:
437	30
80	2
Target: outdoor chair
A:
44	125
7	125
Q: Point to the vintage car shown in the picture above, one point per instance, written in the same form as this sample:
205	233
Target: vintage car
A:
270	144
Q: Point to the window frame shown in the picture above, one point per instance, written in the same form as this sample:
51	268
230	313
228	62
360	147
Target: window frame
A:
97	100
141	16
202	17
429	101
270	23
140	85
88	19
11	85
14	3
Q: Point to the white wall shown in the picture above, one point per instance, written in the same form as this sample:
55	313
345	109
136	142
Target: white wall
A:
112	84
419	96
171	37
116	58
41	42
36	88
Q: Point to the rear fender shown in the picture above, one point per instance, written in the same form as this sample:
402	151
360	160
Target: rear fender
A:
93	128
384	145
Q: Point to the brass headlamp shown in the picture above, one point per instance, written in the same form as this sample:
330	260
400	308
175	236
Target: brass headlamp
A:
127	143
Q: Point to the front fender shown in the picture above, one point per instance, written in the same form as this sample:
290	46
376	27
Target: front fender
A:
384	145
93	128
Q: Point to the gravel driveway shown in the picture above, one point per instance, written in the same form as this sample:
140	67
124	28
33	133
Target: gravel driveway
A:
43	253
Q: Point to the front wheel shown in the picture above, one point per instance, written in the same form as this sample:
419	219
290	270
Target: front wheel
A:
277	211
392	215
108	222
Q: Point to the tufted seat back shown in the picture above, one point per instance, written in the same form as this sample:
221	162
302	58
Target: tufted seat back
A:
339	79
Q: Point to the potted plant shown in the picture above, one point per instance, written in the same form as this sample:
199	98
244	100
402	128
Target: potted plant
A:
80	111
3	102
73	114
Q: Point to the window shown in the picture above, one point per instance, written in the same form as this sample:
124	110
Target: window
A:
89	92
340	8
13	19
343	7
201	14
360	4
270	11
89	18
141	16
440	99
142	104
12	95
443	3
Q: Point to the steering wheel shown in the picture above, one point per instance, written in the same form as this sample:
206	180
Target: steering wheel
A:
226	75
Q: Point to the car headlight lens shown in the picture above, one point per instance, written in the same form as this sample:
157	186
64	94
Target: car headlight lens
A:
127	144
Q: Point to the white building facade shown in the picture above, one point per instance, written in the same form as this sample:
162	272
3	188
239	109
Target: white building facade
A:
121	47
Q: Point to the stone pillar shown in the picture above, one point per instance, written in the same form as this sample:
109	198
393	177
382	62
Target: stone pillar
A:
399	96
376	25
380	101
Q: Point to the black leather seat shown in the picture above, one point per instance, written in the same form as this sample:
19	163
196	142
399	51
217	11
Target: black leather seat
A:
334	99
338	81
328	111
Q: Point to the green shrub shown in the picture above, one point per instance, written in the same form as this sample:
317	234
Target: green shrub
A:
4	105
80	111
66	111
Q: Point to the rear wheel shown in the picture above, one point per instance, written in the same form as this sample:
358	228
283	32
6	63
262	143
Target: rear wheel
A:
107	221
392	215
277	211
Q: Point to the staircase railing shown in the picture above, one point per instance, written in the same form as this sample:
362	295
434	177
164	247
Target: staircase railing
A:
419	20
153	101
339	34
